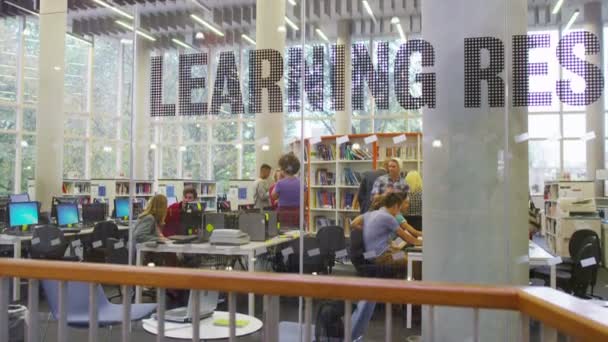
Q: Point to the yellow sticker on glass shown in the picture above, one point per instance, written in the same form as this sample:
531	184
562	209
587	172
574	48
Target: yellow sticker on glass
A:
267	216
125	218
209	227
199	206
24	227
70	225
278	225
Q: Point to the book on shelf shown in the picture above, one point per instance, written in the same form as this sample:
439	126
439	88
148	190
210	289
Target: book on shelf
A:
122	188
207	189
143	188
326	199
349	200
351	177
324	177
347	152
324	152
323	221
408	152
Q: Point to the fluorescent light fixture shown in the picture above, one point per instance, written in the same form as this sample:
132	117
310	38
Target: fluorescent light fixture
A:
199	35
369	10
572	20
292	2
437	143
321	34
79	38
281	28
558	6
196	2
153	146
182	44
115	9
395	21
126	41
22	8
223	111
291	23
107	149
206	24
248	39
139	32
182	148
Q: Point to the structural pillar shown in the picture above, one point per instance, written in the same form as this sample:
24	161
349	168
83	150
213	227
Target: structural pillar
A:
141	133
50	117
592	14
476	176
270	15
344	117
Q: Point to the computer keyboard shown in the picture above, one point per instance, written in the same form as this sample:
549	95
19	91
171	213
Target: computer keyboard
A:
16	232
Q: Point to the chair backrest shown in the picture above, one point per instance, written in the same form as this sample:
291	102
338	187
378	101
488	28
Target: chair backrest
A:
78	297
585	265
331	239
577	240
102	231
117	252
313	260
48	242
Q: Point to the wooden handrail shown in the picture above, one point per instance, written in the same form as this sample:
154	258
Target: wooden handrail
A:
570	315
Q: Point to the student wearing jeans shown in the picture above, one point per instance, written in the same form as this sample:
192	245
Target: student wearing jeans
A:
380	228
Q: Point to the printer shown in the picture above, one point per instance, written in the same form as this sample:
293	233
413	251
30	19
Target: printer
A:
577	207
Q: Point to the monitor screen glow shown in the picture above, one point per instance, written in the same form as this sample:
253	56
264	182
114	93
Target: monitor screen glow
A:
121	205
23	213
67	214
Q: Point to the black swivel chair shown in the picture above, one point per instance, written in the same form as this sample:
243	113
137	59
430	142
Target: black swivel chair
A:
48	242
313	260
96	248
367	268
583	276
331	239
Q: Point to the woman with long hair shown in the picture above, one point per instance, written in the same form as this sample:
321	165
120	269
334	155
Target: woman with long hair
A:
151	221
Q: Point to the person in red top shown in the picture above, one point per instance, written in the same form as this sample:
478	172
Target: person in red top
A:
278	174
173	220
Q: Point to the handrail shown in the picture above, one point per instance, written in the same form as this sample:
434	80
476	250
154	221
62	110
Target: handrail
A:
545	304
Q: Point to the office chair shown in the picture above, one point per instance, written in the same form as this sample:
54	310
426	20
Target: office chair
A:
331	239
367	268
96	248
313	260
48	242
582	277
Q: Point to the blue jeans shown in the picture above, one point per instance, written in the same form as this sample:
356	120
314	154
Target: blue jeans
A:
361	317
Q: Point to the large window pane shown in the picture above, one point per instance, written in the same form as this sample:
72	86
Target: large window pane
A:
191	160
575	158
31	36
574	125
390	125
170	156
76	125
76	74
104	127
543	162
28	160
194	132
29	119
249	171
9	28
74	157
545	83
106	69
543	126
225	131
8	118
224	165
7	163
125	161
312	128
103	160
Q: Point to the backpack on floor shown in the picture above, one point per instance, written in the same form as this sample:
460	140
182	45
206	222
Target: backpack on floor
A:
329	326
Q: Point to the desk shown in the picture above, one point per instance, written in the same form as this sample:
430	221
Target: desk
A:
17	243
537	256
249	250
208	331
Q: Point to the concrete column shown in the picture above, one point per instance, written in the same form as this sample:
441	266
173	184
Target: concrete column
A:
344	117
270	14
142	119
476	176
50	116
592	14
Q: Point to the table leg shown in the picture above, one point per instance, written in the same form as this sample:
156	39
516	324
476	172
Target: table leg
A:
138	261
409	306
251	296
17	281
553	277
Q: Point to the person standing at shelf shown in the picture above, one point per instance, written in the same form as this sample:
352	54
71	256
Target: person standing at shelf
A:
366	186
262	185
174	213
278	175
414	212
287	191
391	182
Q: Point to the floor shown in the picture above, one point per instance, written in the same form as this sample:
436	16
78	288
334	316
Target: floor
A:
289	312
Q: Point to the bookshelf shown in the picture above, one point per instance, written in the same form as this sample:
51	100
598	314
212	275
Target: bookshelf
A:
78	188
206	189
569	206
106	190
334	167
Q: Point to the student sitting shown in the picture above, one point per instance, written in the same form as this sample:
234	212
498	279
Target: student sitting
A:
151	220
174	213
379	230
287	191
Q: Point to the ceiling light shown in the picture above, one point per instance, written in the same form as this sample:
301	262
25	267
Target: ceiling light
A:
107	149
126	41
558	6
571	21
22	8
248	39
437	143
79	38
239	146
369	10
199	35
292	2
182	44
139	32
281	28
24	143
153	146
182	148
201	5
321	34
206	24
115	9
394	20
291	24
57	68
265	147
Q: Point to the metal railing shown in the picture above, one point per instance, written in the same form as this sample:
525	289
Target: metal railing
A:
556	310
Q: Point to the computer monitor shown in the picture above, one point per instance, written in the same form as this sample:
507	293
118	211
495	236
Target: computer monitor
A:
171	201
67	215
15	198
23	214
61	200
95	212
121	207
192	218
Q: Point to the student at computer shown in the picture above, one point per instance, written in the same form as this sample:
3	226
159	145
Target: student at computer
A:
287	191
152	219
380	228
174	212
261	196
400	218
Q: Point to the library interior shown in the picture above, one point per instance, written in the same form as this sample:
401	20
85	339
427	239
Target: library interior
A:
303	170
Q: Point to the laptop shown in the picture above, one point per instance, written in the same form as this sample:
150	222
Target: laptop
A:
207	305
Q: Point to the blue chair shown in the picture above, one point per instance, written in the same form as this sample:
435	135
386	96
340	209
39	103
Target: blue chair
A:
109	314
